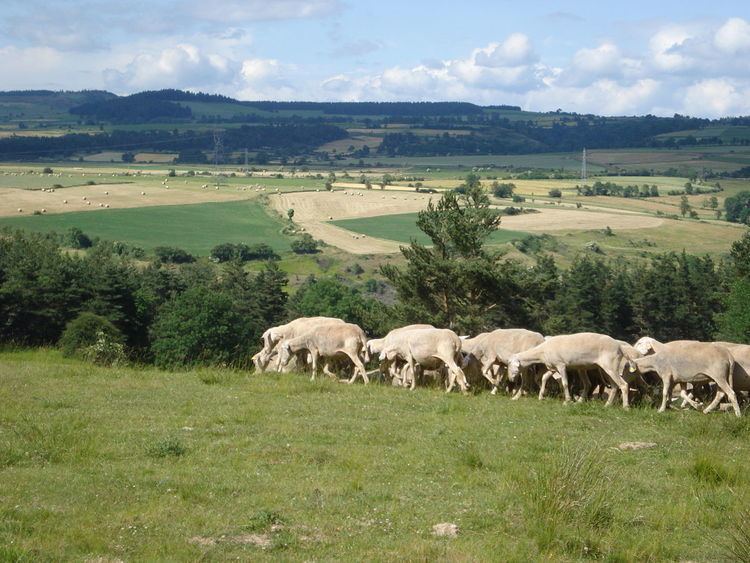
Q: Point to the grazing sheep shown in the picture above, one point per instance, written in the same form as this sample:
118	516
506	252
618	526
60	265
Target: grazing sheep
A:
329	342
430	348
496	348
689	361
582	350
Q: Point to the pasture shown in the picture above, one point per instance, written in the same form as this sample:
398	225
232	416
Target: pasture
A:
196	227
139	464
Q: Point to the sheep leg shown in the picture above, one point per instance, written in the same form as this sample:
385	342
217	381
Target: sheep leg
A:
719	396
359	368
688	400
487	373
729	392
455	373
586	382
666	392
328	372
413	369
562	370
314	365
543	387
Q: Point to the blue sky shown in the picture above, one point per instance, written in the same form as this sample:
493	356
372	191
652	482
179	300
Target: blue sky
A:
619	58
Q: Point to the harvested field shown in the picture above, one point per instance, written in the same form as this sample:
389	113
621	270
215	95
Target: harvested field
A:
120	196
314	210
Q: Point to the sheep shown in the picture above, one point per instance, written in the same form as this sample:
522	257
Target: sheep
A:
582	350
376	345
689	361
274	335
329	341
429	348
496	348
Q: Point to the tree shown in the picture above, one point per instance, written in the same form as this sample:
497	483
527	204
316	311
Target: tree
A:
306	244
734	322
455	282
654	191
128	157
201	326
684	205
504	190
740	255
76	238
290	214
82	332
689	188
737	208
172	255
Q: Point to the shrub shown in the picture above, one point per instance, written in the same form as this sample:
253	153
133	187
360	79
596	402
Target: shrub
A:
86	331
200	326
305	245
738	208
106	351
555	192
47	170
172	255
504	190
76	238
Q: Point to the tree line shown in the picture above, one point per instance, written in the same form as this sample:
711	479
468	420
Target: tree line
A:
292	138
175	312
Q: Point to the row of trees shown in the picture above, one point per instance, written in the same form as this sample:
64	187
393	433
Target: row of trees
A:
201	311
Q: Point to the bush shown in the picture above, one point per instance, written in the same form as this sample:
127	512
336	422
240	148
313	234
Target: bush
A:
106	351
305	245
86	331
503	190
172	255
738	208
555	192
228	251
200	326
76	238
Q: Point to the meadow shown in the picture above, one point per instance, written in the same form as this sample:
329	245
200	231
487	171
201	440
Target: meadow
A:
196	228
139	464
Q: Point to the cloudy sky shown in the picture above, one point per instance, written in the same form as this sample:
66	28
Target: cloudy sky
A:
634	57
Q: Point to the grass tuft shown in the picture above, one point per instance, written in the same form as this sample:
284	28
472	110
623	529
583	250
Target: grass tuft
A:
709	471
736	544
168	447
570	502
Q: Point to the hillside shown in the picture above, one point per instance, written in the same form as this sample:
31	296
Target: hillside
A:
170	120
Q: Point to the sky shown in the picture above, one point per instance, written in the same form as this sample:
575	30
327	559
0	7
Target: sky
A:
625	58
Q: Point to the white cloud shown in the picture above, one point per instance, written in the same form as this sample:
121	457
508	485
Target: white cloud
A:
182	66
734	36
716	98
604	97
516	50
665	48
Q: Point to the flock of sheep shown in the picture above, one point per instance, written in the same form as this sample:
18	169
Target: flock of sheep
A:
518	359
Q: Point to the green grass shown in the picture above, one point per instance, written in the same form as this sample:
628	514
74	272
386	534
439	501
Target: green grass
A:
196	228
139	464
403	228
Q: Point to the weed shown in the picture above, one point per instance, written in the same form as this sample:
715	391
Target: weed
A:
263	520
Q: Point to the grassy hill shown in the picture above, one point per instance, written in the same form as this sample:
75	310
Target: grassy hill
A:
139	464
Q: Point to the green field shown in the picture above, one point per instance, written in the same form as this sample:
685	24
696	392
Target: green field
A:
137	464
196	228
403	228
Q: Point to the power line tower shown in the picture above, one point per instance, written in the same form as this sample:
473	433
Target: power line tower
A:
218	151
584	175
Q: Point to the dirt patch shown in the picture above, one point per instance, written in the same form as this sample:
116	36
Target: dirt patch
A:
116	196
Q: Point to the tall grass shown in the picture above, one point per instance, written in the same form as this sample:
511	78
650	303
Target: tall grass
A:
570	501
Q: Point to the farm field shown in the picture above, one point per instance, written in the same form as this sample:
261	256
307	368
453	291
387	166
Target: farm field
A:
196	228
402	228
140	464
